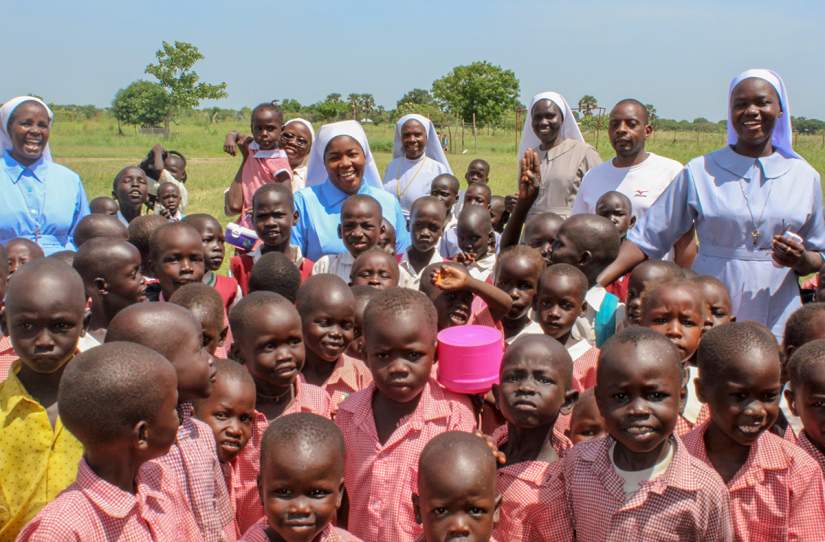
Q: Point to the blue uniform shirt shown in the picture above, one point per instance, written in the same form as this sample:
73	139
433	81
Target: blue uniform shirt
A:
42	202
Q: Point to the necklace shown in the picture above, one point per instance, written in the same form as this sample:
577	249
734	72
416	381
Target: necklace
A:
755	234
398	191
274	398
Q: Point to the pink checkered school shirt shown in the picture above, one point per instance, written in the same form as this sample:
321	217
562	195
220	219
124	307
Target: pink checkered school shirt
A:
381	478
307	398
778	494
521	484
584	369
805	443
350	375
92	509
194	461
7	356
687	502
257	533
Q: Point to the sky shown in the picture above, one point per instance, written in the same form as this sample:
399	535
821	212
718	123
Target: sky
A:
677	55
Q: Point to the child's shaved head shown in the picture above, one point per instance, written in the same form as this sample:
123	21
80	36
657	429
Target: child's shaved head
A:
275	272
722	347
99	225
108	389
304	434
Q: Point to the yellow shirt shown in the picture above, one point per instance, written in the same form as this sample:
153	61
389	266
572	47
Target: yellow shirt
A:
36	461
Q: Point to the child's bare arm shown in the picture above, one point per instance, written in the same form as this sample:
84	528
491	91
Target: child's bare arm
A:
230	143
450	278
157	157
528	190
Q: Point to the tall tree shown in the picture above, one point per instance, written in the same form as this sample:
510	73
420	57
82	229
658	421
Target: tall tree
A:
652	117
174	72
142	103
480	88
587	104
417	96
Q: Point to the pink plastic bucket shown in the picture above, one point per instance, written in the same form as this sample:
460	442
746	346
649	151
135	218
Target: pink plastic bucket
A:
469	358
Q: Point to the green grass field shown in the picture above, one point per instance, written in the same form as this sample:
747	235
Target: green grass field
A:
96	152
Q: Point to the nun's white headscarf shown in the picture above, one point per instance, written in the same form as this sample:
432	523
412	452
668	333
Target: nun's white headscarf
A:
433	148
569	126
5	116
782	137
317	172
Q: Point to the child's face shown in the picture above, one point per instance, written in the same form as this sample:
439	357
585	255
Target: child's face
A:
426	226
376	269
169	197
329	327
638	394
477	195
230	412
496	210
266	128
44	327
718	306
179	259
473	236
616	210
565	250
445	190
162	430
540	233
356	347
213	244
19	255
677	314
533	388
560	300
519	277
194	366
477	172
454	308
400	355
586	422
176	166
131	187
213	332
386	237
360	227
272	345
458	506
125	283
744	402
300	490
807	401
273	216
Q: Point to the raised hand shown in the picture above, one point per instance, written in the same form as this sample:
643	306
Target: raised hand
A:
449	278
529	175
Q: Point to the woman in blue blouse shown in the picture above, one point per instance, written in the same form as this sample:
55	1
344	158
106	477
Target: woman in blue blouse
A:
42	201
742	199
340	165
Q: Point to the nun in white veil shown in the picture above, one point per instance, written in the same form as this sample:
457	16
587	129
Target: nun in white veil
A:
417	159
742	199
41	200
550	129
332	177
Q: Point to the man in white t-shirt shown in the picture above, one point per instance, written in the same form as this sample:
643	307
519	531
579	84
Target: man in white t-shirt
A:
640	175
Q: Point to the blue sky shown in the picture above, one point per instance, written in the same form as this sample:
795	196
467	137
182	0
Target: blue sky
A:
678	56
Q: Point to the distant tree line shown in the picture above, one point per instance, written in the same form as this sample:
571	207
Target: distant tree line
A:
480	93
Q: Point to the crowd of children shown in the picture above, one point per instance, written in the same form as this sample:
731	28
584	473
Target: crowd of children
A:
146	395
